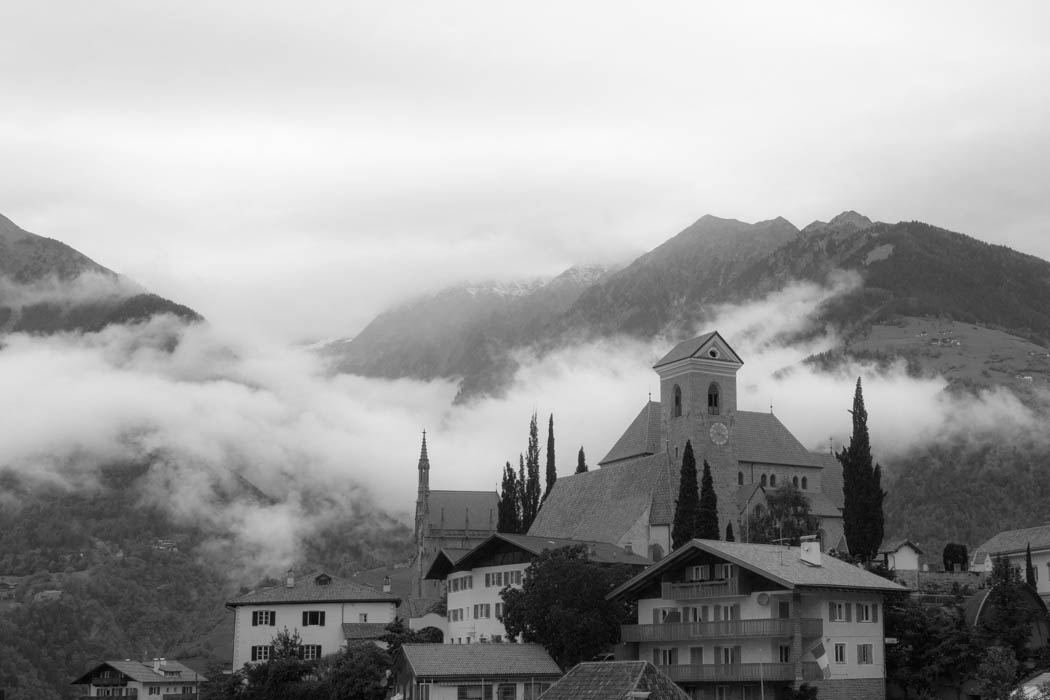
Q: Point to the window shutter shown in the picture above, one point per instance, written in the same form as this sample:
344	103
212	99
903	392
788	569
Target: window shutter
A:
273	618
255	617
849	618
831	612
656	657
874	612
306	617
736	655
718	655
321	622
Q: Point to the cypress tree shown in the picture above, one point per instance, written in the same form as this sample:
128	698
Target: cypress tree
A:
523	506
707	518
509	521
729	533
1029	570
581	462
552	470
862	517
531	501
687	506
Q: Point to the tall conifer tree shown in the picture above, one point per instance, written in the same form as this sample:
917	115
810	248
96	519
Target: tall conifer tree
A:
687	507
509	521
552	470
1029	570
523	507
862	517
581	462
531	502
729	533
707	519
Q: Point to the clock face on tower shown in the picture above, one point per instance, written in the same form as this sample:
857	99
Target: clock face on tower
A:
719	433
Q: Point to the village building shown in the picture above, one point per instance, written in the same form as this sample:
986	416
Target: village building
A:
1013	545
900	555
473	581
451	520
474	672
630	499
615	680
159	678
732	620
325	611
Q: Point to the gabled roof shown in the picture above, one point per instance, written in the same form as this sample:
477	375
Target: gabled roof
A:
463	510
447	661
142	672
364	630
1013	541
693	347
642	436
614	680
783	565
444	562
306	589
761	437
603	504
891	546
600	552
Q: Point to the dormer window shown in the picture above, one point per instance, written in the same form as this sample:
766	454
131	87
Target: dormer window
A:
323	580
677	401
712	399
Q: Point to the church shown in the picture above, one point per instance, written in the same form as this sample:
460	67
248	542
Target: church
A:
630	500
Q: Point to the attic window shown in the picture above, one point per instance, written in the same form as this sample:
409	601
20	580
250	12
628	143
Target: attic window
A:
677	401
323	580
713	353
712	399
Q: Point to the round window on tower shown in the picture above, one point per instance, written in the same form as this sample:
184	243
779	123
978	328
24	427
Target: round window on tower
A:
713	353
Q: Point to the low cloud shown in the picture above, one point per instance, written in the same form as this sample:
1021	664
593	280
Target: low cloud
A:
86	288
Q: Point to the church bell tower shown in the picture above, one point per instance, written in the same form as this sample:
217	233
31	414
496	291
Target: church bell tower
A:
422	513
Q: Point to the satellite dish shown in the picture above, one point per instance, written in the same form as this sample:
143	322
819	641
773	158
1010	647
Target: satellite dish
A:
763	599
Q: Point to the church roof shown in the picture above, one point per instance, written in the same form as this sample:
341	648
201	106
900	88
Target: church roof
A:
642	436
761	437
603	504
690	348
463	510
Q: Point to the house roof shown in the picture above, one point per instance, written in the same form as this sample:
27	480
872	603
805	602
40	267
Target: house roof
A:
642	436
142	672
978	605
463	510
761	437
444	562
891	546
418	607
364	630
614	680
307	589
442	661
603	504
1012	541
601	552
783	565
831	478
691	348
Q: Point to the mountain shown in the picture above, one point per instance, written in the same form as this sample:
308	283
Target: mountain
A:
47	286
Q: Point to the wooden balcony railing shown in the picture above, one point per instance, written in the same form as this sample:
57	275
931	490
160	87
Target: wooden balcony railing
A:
678	631
728	673
695	590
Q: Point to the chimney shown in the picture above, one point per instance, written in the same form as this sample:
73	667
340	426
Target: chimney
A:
156	665
386	584
289	580
810	551
628	548
163	662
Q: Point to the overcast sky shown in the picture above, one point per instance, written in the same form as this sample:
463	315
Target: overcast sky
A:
297	167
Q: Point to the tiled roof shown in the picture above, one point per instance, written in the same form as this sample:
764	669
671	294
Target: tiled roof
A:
891	546
142	672
761	437
444	562
613	680
418	607
437	661
642	436
781	564
600	552
685	349
364	630
831	478
463	510
603	504
821	506
307	590
1012	541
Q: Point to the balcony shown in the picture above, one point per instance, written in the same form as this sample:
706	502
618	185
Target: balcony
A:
729	673
179	696
696	590
733	629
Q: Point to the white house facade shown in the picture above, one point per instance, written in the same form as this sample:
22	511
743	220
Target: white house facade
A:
731	620
476	672
1013	546
325	612
159	678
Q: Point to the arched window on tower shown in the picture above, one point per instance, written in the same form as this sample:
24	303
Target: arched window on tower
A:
763	479
677	401
804	480
794	481
740	478
772	479
712	399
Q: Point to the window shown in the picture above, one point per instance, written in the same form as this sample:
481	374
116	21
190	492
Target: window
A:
763	480
740	478
495	579
696	655
677	401
839	612
724	571
712	399
665	657
422	691
794	481
863	612
534	690
783	610
772	479
804	483
362	617
310	652
497	638
840	653
264	617
512	578
727	655
700	573
722	692
323	580
499	611
864	654
261	653
313	618
785	653
155	689
474	692
482	611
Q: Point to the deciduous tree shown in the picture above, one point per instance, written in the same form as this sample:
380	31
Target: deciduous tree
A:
785	516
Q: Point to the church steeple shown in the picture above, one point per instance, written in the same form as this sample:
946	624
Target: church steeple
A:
424	470
422	513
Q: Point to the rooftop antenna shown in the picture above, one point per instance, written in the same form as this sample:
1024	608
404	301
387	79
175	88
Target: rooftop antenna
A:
771	407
